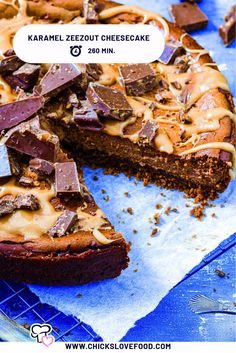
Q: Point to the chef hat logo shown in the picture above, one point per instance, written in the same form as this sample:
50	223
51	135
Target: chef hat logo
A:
37	331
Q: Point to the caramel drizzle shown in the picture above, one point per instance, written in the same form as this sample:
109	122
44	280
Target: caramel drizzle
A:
11	3
33	224
147	15
225	146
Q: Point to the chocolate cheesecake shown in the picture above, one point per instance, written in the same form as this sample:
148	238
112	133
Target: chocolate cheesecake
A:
171	122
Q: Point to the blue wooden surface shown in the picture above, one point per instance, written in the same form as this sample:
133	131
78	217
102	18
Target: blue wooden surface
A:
172	320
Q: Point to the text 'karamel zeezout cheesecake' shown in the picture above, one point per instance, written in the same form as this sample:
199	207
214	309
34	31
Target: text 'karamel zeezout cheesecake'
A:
171	122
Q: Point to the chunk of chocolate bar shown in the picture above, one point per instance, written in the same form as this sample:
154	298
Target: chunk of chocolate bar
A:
138	78
30	139
10	64
228	30
108	102
188	16
8	165
170	53
41	166
182	64
28	182
90	11
27	202
25	77
148	132
72	100
66	180
9	52
7	205
12	114
94	71
86	118
63	224
58	77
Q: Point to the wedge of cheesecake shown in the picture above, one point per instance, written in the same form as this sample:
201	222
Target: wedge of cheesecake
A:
51	230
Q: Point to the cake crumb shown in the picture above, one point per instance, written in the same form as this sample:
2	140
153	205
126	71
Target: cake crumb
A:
26	326
106	198
103	191
154	232
126	194
129	244
221	273
79	295
135	231
213	215
158	206
234	303
167	210
136	270
130	210
197	212
95	177
157	218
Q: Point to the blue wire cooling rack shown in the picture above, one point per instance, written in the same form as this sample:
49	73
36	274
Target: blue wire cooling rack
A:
19	304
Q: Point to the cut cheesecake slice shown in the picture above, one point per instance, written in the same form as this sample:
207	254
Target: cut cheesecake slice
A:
51	230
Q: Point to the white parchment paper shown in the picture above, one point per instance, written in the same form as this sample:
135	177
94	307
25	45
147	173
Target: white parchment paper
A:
157	263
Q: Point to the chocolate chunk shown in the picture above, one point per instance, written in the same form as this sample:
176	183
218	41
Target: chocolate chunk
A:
63	224
148	131
58	77
27	182
90	11
7	205
41	166
228	30
138	78
182	64
10	64
27	202
94	71
8	163
25	77
164	96
14	113
170	53
86	118
57	204
66	180
9	52
30	139
176	85
72	100
184	118
188	16
108	102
